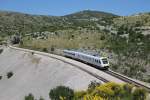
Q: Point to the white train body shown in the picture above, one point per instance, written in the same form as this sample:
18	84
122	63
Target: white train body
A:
100	62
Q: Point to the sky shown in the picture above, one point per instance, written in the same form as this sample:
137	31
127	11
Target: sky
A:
64	7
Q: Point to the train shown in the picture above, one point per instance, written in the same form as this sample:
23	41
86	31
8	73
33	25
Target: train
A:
96	61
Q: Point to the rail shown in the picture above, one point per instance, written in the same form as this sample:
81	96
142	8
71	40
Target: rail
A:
60	59
110	72
128	80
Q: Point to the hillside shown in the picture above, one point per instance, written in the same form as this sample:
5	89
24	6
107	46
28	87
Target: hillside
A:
142	19
88	14
36	74
14	22
124	39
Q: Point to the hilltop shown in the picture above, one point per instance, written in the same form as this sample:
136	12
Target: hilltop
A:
87	14
14	22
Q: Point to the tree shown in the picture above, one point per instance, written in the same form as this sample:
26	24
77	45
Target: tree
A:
61	92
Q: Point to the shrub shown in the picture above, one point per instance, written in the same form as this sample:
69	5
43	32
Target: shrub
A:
0	77
1	50
45	50
78	95
15	39
102	37
32	53
92	85
148	80
61	92
29	97
127	88
139	94
108	90
52	49
9	74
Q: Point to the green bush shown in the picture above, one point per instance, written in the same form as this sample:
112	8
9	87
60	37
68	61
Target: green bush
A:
139	94
148	80
9	74
128	88
79	95
45	50
92	85
102	37
52	49
0	77
1	50
61	92
29	97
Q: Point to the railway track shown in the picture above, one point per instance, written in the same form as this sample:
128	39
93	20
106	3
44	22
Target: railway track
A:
110	72
48	55
93	74
128	80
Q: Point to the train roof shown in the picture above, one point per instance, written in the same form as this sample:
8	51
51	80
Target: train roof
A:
96	57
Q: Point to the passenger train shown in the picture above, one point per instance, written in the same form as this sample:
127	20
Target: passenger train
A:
99	62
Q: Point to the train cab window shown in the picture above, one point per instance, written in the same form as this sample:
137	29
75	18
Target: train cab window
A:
105	61
99	61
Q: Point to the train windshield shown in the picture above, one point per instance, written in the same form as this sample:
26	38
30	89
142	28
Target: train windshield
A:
105	61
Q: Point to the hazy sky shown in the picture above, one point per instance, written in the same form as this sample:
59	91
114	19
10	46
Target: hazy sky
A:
63	7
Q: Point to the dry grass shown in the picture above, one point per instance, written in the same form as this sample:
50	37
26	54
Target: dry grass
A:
85	40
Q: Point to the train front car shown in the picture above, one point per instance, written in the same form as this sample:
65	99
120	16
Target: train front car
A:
69	53
104	62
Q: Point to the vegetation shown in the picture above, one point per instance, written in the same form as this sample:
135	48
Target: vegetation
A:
45	50
97	91
1	50
92	86
61	92
139	94
0	77
25	23
108	91
15	39
29	97
9	74
125	38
